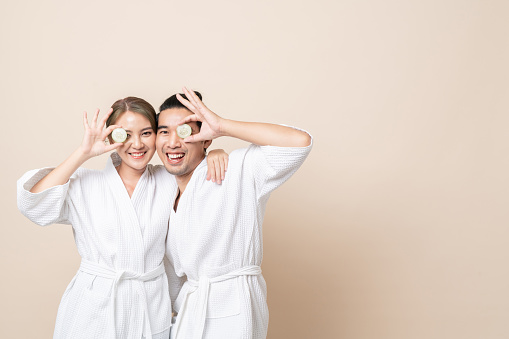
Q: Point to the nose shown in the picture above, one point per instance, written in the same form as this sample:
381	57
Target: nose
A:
137	143
174	140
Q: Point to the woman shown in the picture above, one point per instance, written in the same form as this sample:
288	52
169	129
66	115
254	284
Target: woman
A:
120	219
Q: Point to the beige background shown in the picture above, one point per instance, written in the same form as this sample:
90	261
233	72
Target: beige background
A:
397	224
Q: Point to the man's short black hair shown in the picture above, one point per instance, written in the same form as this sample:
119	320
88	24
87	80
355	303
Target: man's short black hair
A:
173	102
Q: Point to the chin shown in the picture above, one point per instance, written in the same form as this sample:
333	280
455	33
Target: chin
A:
137	166
176	171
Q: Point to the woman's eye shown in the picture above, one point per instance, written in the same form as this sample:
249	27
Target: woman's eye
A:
147	134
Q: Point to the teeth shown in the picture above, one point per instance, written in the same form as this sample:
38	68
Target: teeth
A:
136	154
175	156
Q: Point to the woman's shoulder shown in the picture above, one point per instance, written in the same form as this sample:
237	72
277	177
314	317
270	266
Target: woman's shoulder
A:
87	179
85	173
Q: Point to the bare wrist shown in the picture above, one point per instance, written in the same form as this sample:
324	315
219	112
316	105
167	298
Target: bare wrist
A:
225	128
81	156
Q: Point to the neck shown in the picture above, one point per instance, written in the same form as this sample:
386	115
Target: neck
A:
129	174
183	180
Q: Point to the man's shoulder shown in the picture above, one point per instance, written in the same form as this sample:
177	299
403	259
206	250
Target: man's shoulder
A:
242	156
242	153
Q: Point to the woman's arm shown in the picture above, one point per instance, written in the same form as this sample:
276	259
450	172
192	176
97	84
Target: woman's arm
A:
92	145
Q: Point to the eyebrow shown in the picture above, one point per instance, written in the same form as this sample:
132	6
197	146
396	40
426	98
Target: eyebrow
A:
163	126
146	128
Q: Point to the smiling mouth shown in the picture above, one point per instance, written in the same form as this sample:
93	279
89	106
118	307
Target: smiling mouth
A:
137	155
175	158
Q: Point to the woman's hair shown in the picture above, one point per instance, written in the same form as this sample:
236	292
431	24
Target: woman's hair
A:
135	105
173	102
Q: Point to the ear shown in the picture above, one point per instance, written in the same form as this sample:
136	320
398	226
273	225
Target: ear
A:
206	144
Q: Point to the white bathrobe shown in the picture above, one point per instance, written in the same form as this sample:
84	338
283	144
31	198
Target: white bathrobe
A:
215	245
121	241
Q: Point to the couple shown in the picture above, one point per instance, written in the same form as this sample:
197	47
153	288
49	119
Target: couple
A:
120	223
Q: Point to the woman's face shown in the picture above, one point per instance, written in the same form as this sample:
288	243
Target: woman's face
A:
140	144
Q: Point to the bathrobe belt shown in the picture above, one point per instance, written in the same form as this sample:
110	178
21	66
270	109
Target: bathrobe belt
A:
137	278
202	288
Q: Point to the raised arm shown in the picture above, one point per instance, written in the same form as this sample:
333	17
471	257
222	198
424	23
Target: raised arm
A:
213	126
91	146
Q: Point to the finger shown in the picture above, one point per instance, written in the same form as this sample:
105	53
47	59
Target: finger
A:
221	169
85	121
213	171
112	147
108	131
210	169
226	158
103	120
189	118
190	96
187	103
217	173
195	99
194	138
94	120
183	100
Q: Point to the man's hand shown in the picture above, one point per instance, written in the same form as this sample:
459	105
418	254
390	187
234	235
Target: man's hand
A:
211	127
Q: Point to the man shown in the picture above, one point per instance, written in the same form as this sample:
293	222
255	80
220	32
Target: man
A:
214	244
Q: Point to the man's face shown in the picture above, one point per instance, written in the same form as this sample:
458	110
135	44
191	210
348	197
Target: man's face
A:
179	158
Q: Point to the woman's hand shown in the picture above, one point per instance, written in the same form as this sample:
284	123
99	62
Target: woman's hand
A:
211	122
93	143
217	164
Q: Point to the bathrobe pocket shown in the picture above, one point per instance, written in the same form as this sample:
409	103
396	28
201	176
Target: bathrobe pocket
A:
93	318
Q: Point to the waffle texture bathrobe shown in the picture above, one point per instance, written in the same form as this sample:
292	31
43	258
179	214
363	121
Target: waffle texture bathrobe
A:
120	290
215	246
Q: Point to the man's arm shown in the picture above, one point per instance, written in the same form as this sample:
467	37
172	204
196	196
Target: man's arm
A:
213	126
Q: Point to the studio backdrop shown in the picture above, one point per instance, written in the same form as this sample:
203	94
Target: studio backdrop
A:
397	224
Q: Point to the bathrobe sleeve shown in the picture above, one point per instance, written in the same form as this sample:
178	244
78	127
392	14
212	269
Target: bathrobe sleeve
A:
272	165
47	207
